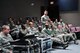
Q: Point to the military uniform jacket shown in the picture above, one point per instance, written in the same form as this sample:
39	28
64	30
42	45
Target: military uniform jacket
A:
5	42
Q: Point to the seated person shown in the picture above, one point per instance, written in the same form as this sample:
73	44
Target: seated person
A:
5	39
61	22
40	33
70	34
47	29
31	29
23	31
27	23
59	36
56	22
60	33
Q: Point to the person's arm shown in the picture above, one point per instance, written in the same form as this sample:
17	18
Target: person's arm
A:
42	19
11	39
48	18
52	25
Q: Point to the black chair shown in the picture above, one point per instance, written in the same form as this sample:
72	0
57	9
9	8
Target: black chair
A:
26	44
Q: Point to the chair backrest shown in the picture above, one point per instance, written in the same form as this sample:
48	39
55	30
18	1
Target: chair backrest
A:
73	29
78	29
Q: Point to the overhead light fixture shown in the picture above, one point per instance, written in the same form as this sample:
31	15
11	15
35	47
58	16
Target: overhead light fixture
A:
52	2
32	4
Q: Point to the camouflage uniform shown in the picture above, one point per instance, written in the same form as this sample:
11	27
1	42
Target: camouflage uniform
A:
5	42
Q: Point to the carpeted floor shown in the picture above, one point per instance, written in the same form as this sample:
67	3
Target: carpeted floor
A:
72	48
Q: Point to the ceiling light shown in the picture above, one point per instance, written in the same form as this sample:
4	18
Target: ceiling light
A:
52	2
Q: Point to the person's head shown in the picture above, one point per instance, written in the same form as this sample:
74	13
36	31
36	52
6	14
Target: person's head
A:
40	28
5	29
31	24
27	21
56	20
61	20
59	26
10	19
18	22
23	26
47	24
45	12
20	19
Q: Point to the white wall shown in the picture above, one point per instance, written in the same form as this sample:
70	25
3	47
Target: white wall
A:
71	17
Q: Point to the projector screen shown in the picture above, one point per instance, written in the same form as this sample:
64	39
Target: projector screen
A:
68	5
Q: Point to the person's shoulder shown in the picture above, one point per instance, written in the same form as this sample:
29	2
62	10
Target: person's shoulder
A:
34	28
1	34
47	16
43	29
8	34
42	16
28	28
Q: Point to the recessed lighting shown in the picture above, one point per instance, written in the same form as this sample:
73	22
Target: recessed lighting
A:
52	2
32	4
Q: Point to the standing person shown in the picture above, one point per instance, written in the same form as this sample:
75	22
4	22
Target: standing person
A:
5	39
45	18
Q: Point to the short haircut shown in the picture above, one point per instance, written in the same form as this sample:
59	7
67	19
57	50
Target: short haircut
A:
5	27
30	23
